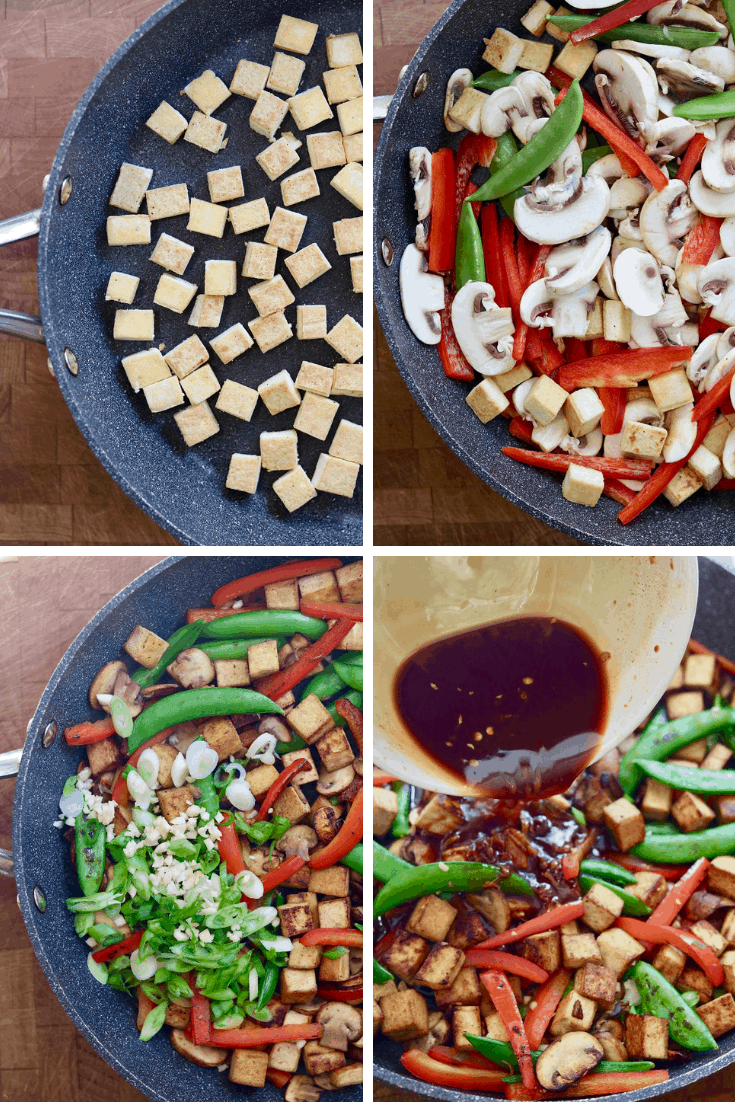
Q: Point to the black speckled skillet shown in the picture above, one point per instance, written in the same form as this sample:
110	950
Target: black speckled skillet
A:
712	626
158	599
184	488
455	42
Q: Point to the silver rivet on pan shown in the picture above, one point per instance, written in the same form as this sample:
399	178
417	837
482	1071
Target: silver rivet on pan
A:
44	184
71	361
39	899
50	367
387	250
421	85
65	190
49	735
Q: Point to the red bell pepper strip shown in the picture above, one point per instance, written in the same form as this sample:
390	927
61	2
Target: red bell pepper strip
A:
524	258
547	999
669	907
384	943
279	683
279	1078
613	399
618	492
272	879
456	1058
549	920
600	347
681	939
713	398
474	149
379	778
699	648
506	962
521	429
278	786
492	252
636	864
119	788
591	1086
691	158
508	247
424	1067
501	995
228	845
710	325
451	355
574	350
330	610
702	240
441	240
86	734
346	840
614	468
725	484
612	19
324	936
663	475
283	573
201	1019
623	368
340	994
353	715
252	1038
549	349
570	865
119	949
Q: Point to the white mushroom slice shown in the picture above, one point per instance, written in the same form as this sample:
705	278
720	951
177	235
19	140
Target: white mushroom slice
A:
621	243
458	81
422	296
536	305
569	267
542	218
608	167
500	109
687	279
638	282
669	326
682	432
703	360
627	89
717	204
728	453
718	158
526	127
419	166
628	194
667	138
483	330
650	49
727	236
519	399
604	279
568	314
714	374
726	342
630	228
644	411
588	445
535	88
566	166
548	437
717	288
716	59
672	13
568	1059
666	217
681	78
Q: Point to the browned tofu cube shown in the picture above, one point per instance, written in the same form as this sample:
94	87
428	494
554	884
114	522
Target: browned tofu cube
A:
104	756
335	970
310	719
625	822
718	757
466	1019
441	815
292	805
431	918
283	595
334	749
331	881
543	949
145	647
694	979
695	752
656	802
727	929
597	983
174	801
440	967
670	961
719	1015
684	704
263	659
646	1037
467	929
649	887
166	757
707	933
304	956
221	734
309	898
248	1067
691	812
601	907
308	773
298	985
405	1015
727	960
725	809
260	779
319	1060
405	956
721	876
618	950
385	809
700	671
574	1013
285	1056
579	949
494	1027
178	1016
334	914
325	822
295	919
349	580
320	587
465	990
299	1087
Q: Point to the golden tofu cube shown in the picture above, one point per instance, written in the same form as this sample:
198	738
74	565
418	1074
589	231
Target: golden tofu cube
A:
574	1013
310	719
326	150
641	441
718	757
579	949
597	983
405	955
130	187
263	658
270	331
503	51
233	672
441	966
670	961
200	385
314	377
207	311
347	380
249	216
466	1019
545	399
121	288
299	187
167	122
647	1037
285	230
279	450
353	144
172	254
536	56
128	229
145	647
208	218
649	887
309	108
346	338
670	390
294	489
691	812
220	277
285	75
315	416
248	1067
487	400
616	320
719	1015
207	92
656	802
174	293
307	265
467	111
465	990
249	79
348	182
543	949
221	734
347	442
576	60
225	184
343	49
292	805
618	950
187	356
583	410
196	423
535	18
601	907
349	116
385	809
282	594
625	822
206	132
700	671
268	114
229	344
271	297
335	476
260	261
342	84
296	35
174	801
298	985
167	202
582	485
144	368
278	392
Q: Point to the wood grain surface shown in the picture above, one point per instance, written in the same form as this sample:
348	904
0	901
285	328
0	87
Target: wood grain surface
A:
44	603
423	493
52	488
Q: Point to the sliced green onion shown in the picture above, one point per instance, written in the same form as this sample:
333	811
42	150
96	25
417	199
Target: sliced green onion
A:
153	1022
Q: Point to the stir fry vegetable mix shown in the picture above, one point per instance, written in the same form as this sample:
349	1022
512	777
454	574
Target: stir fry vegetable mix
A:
213	887
584	283
572	946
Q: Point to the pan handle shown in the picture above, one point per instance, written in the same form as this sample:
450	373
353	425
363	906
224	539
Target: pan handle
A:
9	766
17	228
380	107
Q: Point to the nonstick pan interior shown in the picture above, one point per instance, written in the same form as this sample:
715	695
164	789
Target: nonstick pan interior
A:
158	600
184	488
456	42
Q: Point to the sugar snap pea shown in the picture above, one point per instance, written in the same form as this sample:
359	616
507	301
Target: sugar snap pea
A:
469	261
607	870
505	151
662	1000
350	674
661	739
196	704
631	904
270	620
182	638
223	649
593	154
460	876
684	37
683	849
710	782
494	79
721	105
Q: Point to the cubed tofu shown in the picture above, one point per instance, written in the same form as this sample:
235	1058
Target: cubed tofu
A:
536	56
346	338
431	918
465	990
249	216
278	158
385	809
466	1019
295	918
642	441
144	368
597	983
348	182
334	914
334	750
347	380
260	779
694	979
220	277
130	187
687	704
343	49
467	111
503	51
229	344
656	802
579	949
145	647
350	116
270	332
167	122
207	218
311	324
721	876
342	84
299	187
248	1067
307	265
205	132
625	822
487	400
128	229
439	816
196	423
294	489
647	1037
167	202
104	756
333	881
271	297
309	108
347	442
440	967
649	887
292	805
207	92
684	483
353	146
582	485
285	229
174	801
495	1027
335	476
296	35
320	587
310	719
298	985
691	812
186	357
282	594
285	74
172	254
670	390
315	417
326	150
174	293
616	321
268	114
718	757
320	1060
601	907
356	274
727	960
618	950
334	970
535	18
545	399
405	1015
717	436
279	450
263	658
121	288
349	581
405	955
260	261
233	672
314	378
284	1056
719	1015
576	60
670	961
712	937
133	325
700	671
574	1013
543	949
583	410
304	956
249	79
221	734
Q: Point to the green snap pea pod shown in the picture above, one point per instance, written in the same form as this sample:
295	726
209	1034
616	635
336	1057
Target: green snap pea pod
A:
663	1001
236	648
500	1052
89	848
683	849
540	151
209	798
401	826
631	904
595	154
691	998
354	859
494	79
281	621
459	876
325	684
721	105
380	974
660	740
351	657
181	639
710	782
684	37
604	1067
268	986
506	150
386	865
296	743
469	262
354	697
197	704
351	675
607	870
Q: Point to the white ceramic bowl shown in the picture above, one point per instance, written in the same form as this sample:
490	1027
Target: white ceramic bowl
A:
639	610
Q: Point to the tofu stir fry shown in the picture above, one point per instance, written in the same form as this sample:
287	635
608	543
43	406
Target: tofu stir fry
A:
216	829
584	290
572	946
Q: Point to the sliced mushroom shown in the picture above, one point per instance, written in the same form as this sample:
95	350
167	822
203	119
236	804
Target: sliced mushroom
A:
192	668
588	445
638	282
104	682
550	218
620	243
422	296
419	164
526	127
718	158
727	236
669	326
717	204
682	432
666	217
605	279
549	437
129	691
331	784
566	167
500	109
608	167
567	1060
274	725
569	267
568	314
298	841
681	80
721	368
356	963
687	278
650	49
484	331
726	342
716	59
628	90
537	93
703	360
458	81
667	138
204	1055
717	287
341	1023
672	13
728	453
628	194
